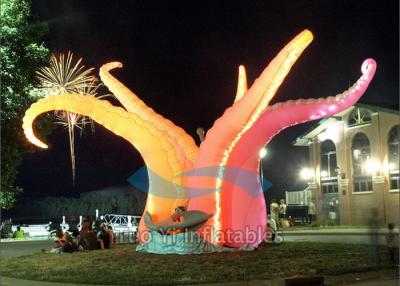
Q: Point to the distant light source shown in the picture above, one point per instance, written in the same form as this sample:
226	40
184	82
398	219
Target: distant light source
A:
324	174
372	166
392	166
331	132
356	153
306	174
263	152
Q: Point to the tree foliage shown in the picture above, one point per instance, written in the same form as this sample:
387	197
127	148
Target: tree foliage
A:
114	200
21	53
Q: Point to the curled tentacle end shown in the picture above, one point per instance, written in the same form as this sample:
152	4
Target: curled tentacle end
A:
33	139
368	67
28	119
111	65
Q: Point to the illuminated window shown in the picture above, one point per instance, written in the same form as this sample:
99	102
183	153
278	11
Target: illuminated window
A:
359	116
328	174
328	159
393	154
361	154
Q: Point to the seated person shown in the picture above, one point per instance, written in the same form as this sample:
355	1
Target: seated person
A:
59	241
177	215
85	226
88	241
69	245
113	238
19	234
292	221
104	237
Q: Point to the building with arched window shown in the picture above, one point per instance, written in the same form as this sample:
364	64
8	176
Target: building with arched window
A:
354	159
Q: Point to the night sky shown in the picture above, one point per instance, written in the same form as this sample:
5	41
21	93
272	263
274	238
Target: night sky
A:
181	58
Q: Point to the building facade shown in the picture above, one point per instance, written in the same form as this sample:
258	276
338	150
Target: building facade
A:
354	159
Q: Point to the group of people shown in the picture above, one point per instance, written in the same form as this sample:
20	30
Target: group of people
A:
100	236
278	214
278	217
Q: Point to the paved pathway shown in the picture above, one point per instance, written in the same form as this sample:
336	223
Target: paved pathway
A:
361	236
382	281
357	236
18	248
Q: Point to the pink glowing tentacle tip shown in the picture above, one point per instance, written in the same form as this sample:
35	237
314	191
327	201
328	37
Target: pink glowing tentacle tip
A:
368	66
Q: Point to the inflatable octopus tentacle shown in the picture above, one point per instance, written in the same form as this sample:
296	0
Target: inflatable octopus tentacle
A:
236	120
242	83
154	146
278	116
134	104
241	209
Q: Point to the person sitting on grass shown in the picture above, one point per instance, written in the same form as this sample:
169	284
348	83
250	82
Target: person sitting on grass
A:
85	226
69	245
19	234
59	241
113	238
104	237
88	239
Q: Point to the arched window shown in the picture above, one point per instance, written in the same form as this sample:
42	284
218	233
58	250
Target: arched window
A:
328	159
359	116
328	167
393	155
361	154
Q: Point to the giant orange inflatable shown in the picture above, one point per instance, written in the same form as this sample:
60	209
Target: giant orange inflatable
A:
220	176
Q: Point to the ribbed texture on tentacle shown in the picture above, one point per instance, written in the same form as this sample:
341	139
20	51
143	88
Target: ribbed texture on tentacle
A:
134	104
140	132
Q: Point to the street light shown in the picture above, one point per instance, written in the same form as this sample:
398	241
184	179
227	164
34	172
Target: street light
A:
306	174
263	152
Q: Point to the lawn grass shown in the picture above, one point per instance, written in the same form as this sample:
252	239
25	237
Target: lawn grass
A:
123	265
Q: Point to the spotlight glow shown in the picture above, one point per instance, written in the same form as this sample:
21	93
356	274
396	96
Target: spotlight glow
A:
306	174
324	174
263	153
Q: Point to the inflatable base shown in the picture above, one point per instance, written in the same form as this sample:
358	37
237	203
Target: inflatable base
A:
183	243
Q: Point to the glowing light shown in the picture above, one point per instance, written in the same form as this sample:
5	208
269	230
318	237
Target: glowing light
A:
263	152
242	83
372	166
393	166
332	107
332	132
324	174
356	153
306	174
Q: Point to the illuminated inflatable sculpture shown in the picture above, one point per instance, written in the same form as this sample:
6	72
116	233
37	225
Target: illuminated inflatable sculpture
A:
230	148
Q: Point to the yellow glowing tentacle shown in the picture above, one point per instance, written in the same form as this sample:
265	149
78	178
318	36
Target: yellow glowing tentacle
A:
268	83
134	104
154	145
242	83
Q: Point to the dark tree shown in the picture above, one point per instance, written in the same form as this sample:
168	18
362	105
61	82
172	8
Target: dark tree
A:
22	52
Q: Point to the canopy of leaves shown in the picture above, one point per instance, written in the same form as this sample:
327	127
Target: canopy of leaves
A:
21	53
